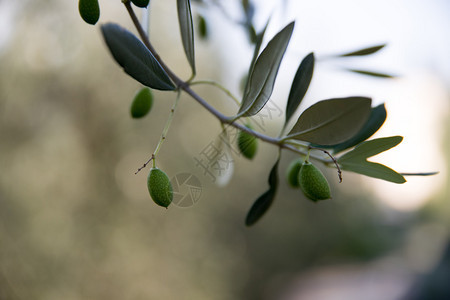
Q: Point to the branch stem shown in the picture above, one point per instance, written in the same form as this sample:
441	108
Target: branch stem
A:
185	86
221	87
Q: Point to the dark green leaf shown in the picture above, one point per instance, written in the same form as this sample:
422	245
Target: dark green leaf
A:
420	174
300	85
356	160
365	51
374	170
259	40
375	121
142	103
259	208
263	203
135	58
187	30
332	121
89	11
249	10
371	73
251	31
262	78
370	148
273	176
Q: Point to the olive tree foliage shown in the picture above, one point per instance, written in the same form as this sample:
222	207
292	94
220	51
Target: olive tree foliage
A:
334	132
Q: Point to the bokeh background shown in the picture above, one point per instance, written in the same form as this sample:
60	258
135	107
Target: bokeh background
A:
77	223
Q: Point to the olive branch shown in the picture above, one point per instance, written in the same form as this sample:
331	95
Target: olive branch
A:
331	126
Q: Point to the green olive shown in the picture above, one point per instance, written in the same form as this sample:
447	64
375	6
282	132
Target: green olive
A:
313	183
202	27
292	174
247	143
141	3
142	103
159	187
89	11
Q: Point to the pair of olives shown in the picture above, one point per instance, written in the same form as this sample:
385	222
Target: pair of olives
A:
304	175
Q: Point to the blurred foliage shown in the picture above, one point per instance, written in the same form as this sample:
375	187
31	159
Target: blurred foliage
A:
76	223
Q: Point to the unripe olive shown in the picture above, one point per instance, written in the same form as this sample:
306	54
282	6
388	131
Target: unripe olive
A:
202	27
140	3
142	103
313	183
292	174
89	11
159	187
247	143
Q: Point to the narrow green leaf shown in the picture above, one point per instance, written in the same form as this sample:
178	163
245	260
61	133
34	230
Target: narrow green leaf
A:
260	207
251	31
331	121
356	160
136	60
376	119
262	77
370	148
89	11
374	170
259	40
371	73
300	85
420	174
365	51
273	176
263	203
187	30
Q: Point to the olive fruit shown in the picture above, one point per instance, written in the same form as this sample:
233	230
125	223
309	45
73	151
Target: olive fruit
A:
247	143
142	103
202	27
159	187
140	3
89	11
292	174
313	183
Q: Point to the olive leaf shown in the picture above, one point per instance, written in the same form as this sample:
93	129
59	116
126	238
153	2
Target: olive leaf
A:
371	73
259	40
263	75
331	121
376	120
263	203
136	60
300	85
187	30
365	51
356	160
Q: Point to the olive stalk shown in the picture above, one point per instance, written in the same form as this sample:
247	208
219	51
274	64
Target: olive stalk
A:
163	134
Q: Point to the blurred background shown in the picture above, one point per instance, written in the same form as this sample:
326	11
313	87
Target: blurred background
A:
77	223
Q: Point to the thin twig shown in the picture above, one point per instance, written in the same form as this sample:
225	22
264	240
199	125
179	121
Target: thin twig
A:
144	165
332	158
163	134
